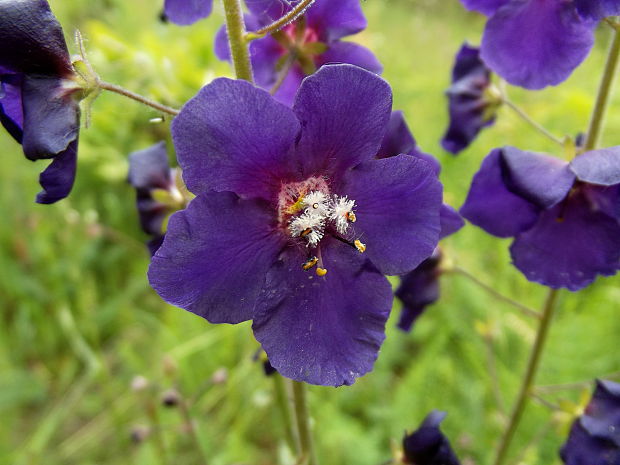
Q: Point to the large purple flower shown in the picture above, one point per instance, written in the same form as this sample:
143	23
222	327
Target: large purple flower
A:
418	288
186	12
37	104
428	445
285	198
565	217
473	100
282	59
157	192
537	43
595	436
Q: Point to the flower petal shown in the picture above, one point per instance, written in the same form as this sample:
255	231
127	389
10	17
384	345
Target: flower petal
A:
32	39
335	19
11	112
398	138
349	52
600	167
450	221
494	208
57	179
397	203
428	445
215	256
290	86
487	7
186	12
597	9
536	43
149	168
235	137
327	330
344	111
537	177
569	245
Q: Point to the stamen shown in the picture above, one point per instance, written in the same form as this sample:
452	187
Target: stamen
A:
321	271
310	263
360	246
342	213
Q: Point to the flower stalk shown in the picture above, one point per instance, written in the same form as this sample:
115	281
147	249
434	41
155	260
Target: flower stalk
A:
535	125
306	453
530	375
235	28
282	399
138	98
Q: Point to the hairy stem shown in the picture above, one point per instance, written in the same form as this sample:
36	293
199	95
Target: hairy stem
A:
604	93
302	416
282	399
138	98
525	117
284	20
235	28
530	374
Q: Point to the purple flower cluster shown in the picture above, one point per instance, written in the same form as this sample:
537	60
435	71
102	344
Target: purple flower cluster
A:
281	60
565	217
296	219
537	43
595	436
38	104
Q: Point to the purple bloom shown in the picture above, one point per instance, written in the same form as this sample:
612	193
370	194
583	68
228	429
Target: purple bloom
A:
284	199
473	104
428	445
595	436
157	193
186	12
282	59
565	217
37	104
537	43
420	287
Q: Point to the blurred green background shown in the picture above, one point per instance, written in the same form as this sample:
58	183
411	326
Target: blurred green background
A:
79	321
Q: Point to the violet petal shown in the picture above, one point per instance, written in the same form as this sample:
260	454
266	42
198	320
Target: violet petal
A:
601	167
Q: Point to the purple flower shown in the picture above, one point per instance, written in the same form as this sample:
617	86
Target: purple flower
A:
595	436
565	217
537	43
282	59
157	193
284	199
473	100
420	287
428	445
186	12
37	104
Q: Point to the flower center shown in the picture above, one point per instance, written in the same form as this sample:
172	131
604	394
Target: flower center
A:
309	211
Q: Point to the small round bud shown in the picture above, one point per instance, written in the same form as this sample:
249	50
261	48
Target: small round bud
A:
139	433
171	398
139	383
220	376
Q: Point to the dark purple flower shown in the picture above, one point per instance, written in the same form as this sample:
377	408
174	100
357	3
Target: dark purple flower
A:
473	100
565	217
157	193
284	198
537	43
595	436
37	92
428	445
420	287
186	12
282	59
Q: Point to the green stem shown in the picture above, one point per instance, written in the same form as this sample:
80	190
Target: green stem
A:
528	381
525	117
604	93
138	98
302	416
287	417
284	20
235	28
191	427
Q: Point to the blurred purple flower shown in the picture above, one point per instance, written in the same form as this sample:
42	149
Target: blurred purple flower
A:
565	217
595	436
473	105
37	104
428	445
281	60
537	43
186	12
420	287
157	193
284	192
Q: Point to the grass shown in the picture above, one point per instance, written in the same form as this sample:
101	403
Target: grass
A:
79	321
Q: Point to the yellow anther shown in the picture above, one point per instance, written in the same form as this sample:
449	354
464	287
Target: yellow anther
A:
351	218
310	263
297	206
321	271
360	246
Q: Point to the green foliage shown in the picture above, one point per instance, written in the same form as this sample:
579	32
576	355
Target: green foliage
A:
79	320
